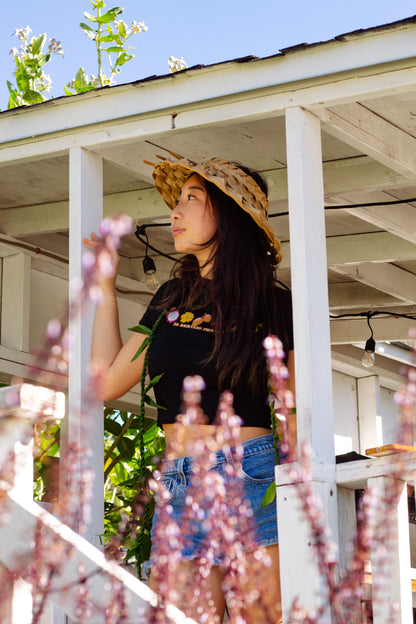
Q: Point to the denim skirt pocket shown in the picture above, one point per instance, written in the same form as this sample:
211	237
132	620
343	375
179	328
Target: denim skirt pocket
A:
258	468
170	484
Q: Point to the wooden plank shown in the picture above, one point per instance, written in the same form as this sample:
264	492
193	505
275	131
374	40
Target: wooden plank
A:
370	247
400	221
350	295
355	474
385	277
349	331
360	127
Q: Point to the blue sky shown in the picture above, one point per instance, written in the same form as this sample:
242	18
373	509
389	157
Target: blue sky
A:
202	31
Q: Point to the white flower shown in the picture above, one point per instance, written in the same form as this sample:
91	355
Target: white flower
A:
138	27
14	51
22	33
176	64
55	47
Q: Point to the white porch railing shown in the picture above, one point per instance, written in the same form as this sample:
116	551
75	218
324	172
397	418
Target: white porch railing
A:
388	585
20	407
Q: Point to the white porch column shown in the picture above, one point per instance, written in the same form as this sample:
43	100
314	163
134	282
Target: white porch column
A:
85	421
369	418
298	565
390	562
15	308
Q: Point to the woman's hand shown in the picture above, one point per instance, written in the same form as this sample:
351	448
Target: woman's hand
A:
106	260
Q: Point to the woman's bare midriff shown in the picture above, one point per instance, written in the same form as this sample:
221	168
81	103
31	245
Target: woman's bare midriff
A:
181	438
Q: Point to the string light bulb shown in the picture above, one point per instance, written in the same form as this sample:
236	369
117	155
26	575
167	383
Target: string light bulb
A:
369	357
149	268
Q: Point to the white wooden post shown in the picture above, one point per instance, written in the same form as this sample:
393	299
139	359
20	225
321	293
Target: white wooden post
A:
19	407
85	422
298	568
369	418
15	309
390	562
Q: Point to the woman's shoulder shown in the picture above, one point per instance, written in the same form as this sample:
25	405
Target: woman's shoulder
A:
166	288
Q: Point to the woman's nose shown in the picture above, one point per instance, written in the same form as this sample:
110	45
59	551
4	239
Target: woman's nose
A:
175	215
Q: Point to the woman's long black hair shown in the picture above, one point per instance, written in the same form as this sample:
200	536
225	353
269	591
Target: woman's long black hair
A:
242	291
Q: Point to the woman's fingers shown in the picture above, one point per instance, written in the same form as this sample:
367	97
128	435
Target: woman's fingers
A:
94	241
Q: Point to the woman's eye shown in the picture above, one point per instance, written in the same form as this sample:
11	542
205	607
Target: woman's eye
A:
190	196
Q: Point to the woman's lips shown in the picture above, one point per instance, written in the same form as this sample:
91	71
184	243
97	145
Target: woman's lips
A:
176	231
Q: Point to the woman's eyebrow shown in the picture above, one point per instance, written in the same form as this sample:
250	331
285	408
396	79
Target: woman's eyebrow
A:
196	188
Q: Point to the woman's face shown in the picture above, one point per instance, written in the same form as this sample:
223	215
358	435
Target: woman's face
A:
193	220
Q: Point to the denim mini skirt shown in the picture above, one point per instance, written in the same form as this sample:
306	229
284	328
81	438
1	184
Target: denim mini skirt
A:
254	473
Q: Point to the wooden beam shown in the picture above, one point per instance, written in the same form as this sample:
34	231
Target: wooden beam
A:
350	295
349	331
385	277
357	125
371	247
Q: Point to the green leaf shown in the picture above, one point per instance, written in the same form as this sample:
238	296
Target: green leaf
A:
32	97
112	426
68	90
153	382
37	44
150	434
269	495
120	471
140	329
106	38
85	26
81	79
123	58
140	350
114	49
149	401
110	16
122	29
126	447
90	17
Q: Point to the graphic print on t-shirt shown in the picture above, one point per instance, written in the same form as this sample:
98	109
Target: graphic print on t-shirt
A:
189	320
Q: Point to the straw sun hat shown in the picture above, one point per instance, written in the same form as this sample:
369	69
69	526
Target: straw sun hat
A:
169	177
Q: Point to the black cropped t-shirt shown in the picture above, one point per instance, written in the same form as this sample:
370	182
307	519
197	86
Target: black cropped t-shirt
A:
182	343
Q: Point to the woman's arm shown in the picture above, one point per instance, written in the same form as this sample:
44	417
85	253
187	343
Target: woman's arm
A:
111	363
292	424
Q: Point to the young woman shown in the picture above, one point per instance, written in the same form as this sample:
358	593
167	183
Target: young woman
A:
222	301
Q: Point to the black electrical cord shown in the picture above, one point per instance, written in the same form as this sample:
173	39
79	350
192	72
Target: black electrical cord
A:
141	229
349	206
371	313
141	235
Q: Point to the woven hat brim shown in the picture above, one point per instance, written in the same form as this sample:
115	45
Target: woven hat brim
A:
170	176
